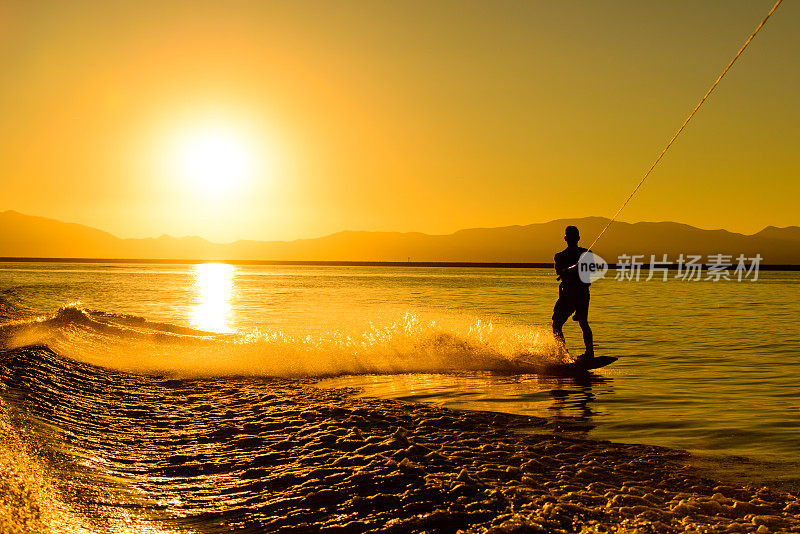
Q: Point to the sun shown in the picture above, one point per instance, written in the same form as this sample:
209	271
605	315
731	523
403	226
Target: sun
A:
215	159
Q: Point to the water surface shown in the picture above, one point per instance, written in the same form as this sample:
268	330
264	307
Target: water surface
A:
709	367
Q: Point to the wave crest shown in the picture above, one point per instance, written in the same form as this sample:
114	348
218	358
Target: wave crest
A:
408	344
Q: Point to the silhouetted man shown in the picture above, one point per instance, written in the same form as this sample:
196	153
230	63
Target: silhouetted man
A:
573	293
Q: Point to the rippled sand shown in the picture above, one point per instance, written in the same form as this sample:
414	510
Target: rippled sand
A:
128	453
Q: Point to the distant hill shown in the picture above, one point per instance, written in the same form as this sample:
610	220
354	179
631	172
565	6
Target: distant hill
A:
40	237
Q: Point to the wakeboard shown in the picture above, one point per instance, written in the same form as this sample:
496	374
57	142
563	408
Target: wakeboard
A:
577	367
521	366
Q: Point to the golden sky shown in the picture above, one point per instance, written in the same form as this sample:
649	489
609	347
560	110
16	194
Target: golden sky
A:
426	116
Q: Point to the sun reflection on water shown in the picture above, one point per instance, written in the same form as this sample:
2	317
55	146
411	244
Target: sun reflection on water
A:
214	286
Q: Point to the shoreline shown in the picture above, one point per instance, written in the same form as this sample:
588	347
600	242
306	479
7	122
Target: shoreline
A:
488	472
546	482
335	263
740	467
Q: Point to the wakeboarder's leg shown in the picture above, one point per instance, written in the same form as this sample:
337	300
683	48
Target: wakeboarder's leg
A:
558	324
588	340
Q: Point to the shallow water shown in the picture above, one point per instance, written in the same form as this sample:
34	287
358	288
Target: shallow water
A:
708	367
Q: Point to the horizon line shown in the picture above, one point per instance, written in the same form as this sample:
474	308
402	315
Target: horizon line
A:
340	263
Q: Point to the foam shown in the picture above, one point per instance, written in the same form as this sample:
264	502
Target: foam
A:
407	344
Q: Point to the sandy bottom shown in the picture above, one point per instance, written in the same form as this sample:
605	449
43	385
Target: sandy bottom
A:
131	453
354	464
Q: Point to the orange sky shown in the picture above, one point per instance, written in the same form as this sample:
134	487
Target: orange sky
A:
411	116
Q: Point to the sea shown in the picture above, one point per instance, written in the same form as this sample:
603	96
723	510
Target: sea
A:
708	367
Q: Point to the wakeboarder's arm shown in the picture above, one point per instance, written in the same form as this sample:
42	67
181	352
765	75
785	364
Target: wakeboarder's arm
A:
559	263
558	266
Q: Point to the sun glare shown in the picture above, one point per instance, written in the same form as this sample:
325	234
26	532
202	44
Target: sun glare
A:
215	160
213	285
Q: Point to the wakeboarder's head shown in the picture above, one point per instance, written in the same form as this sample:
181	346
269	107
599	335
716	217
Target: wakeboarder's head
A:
571	235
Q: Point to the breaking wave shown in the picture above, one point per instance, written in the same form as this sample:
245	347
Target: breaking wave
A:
408	344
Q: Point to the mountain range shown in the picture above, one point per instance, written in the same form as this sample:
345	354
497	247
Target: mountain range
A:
39	237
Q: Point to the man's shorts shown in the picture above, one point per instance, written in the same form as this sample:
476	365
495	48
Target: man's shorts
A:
571	300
